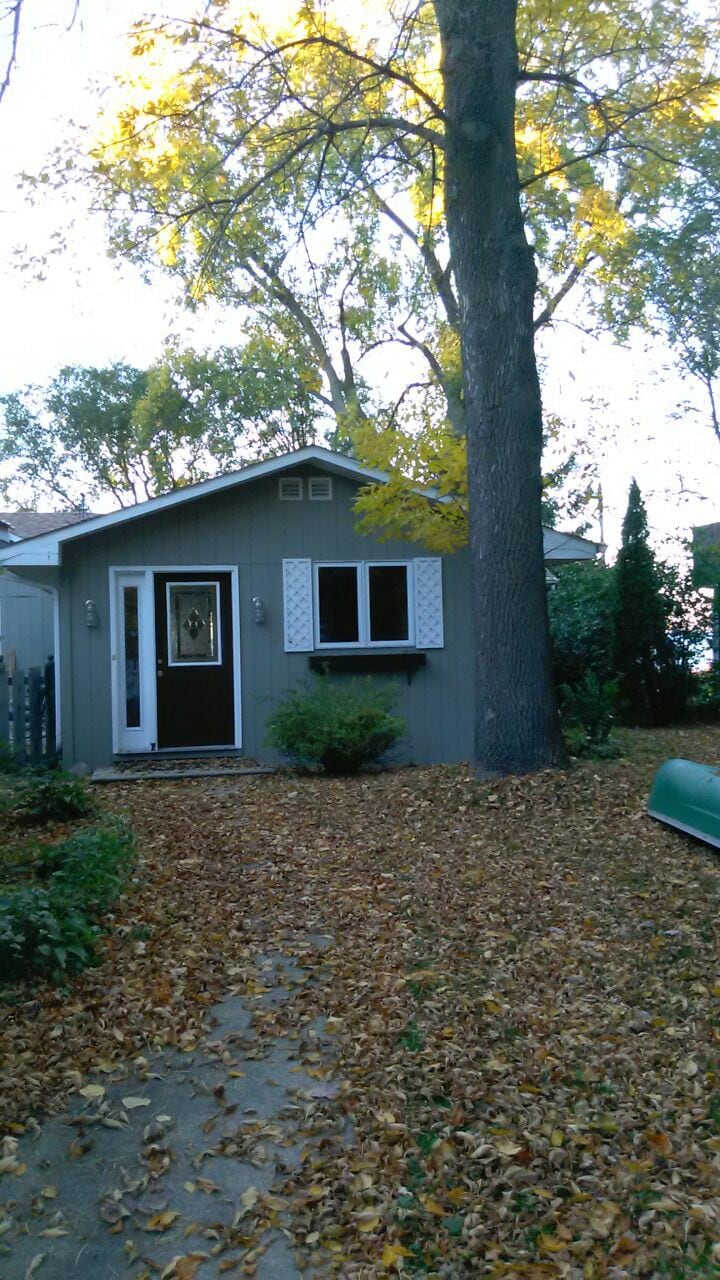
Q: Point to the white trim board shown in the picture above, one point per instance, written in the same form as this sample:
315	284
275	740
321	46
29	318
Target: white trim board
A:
144	740
46	549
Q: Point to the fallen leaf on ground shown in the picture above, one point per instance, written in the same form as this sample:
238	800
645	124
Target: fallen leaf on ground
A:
92	1091
161	1221
570	944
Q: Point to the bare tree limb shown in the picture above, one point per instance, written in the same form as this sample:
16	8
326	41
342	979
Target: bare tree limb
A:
575	274
268	280
439	275
13	12
456	410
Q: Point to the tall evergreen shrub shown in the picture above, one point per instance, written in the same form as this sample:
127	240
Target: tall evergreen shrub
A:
652	682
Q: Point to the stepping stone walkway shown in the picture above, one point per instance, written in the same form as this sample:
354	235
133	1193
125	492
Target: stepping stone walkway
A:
167	1171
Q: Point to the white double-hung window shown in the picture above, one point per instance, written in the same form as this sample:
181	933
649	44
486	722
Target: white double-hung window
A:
337	604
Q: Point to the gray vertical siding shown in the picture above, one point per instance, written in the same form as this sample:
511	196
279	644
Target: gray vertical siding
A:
26	622
251	528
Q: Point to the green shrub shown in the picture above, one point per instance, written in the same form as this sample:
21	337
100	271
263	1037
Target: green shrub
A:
52	797
705	699
580	608
51	930
588	713
338	726
40	933
90	867
8	763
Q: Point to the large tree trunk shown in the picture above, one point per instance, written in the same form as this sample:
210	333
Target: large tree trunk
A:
517	727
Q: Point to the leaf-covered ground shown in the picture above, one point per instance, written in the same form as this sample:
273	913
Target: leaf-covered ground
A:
523	991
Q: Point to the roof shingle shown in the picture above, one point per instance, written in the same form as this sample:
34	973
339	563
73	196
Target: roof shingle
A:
28	524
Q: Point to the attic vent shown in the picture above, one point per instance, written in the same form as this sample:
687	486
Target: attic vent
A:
320	488
291	489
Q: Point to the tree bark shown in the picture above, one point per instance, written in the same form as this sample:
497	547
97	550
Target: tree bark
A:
517	728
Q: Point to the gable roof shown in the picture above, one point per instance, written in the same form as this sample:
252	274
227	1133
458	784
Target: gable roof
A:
46	549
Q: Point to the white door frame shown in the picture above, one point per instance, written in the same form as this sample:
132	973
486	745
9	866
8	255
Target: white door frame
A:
144	738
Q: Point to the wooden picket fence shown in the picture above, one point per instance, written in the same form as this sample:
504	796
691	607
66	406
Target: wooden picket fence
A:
27	714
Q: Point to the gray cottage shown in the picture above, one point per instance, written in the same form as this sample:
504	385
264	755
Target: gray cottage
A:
182	620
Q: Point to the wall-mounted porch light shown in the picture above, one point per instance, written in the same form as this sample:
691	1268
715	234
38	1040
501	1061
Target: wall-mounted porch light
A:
259	610
92	618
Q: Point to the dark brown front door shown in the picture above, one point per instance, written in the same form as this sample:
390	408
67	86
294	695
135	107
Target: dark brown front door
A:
194	647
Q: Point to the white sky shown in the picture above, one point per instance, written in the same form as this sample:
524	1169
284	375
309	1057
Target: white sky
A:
89	310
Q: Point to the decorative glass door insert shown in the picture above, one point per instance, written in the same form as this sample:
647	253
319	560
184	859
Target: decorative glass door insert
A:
193	623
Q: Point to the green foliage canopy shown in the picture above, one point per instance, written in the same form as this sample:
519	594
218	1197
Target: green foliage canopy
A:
135	433
291	165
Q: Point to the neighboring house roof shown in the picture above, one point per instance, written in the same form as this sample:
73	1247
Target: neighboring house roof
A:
45	549
29	524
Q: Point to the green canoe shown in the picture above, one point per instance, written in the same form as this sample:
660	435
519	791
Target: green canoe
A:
686	795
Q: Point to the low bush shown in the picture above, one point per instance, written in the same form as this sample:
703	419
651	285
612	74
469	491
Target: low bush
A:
51	797
8	763
338	726
91	866
587	710
42	934
705	699
52	929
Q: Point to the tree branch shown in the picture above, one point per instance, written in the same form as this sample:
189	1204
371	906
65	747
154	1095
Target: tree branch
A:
553	303
707	382
384	70
411	386
617	128
565	80
456	409
439	275
268	280
14	11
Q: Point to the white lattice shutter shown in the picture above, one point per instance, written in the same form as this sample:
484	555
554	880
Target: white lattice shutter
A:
427	571
298	606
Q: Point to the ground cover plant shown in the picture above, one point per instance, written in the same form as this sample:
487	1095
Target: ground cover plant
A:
57	875
40	797
522	991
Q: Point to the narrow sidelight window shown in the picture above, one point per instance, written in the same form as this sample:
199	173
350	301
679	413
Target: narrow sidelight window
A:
338	612
388	593
131	644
